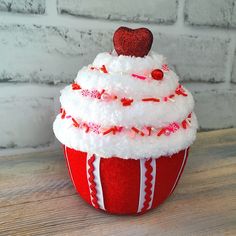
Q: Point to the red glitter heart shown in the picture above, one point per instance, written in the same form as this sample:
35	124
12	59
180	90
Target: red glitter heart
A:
157	74
132	42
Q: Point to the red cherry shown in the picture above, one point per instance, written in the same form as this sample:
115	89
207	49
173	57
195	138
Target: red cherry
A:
157	74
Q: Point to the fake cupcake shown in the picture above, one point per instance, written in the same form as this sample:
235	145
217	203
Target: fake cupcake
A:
126	125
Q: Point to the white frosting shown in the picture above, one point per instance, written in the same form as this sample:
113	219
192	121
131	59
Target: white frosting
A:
129	65
121	145
127	85
113	113
120	82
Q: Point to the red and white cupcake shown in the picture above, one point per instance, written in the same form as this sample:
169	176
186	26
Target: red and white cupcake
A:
126	125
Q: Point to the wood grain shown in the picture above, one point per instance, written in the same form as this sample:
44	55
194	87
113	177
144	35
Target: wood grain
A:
37	197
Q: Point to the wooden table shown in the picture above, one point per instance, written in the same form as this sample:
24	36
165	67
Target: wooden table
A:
37	197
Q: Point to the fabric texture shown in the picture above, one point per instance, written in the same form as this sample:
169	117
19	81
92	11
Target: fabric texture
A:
120	180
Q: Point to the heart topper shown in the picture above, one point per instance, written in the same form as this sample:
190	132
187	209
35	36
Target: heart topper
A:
132	42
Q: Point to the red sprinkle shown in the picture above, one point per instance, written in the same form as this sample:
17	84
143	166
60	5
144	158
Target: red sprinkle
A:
75	123
63	114
149	130
161	132
180	91
104	69
184	124
126	101
119	128
75	86
151	100
103	91
113	130
139	76
137	131
86	128
108	131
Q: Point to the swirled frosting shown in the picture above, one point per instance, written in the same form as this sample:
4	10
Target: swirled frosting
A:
115	108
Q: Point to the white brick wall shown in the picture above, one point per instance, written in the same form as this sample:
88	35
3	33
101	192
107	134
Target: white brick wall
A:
43	43
65	50
157	11
23	6
198	58
216	109
211	12
27	112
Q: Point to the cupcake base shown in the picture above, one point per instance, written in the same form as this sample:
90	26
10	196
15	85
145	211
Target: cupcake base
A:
124	186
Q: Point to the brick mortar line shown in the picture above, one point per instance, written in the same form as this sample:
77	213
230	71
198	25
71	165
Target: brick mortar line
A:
86	23
207	87
33	90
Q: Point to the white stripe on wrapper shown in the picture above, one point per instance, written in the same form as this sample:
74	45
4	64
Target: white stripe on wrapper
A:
97	180
143	185
153	180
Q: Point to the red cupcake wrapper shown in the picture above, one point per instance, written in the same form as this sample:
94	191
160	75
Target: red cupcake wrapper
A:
122	186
